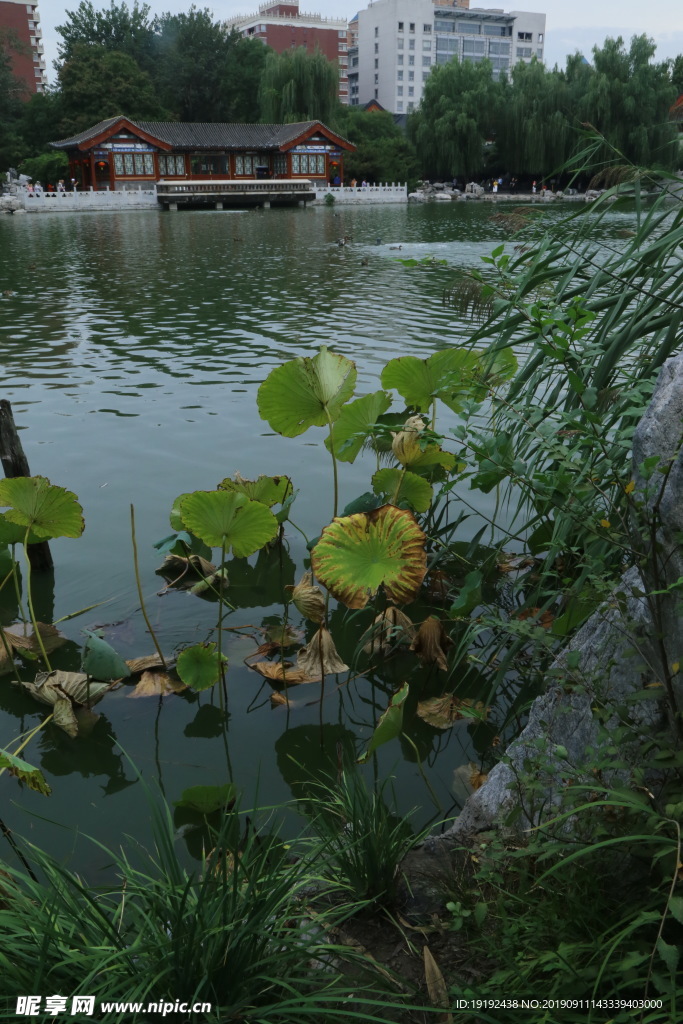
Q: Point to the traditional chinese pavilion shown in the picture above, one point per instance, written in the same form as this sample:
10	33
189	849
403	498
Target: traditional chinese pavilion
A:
119	153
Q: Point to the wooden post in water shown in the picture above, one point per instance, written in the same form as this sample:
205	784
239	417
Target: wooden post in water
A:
15	463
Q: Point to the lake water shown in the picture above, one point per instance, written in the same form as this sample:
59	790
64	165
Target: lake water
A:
132	348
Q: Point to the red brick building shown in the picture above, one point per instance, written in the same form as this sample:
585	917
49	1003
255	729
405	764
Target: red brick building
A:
280	25
21	35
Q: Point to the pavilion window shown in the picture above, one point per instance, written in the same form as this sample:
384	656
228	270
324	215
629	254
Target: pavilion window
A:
244	165
308	163
118	163
128	166
280	164
171	163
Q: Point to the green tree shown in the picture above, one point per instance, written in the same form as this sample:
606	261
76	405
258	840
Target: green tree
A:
677	74
192	55
39	117
96	83
535	137
383	153
12	92
241	78
627	99
119	27
298	86
458	113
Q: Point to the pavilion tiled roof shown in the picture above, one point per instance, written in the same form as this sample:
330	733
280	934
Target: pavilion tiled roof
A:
203	135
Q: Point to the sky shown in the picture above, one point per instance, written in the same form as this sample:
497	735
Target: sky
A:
570	24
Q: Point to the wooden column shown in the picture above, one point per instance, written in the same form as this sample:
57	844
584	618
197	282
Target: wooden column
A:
15	463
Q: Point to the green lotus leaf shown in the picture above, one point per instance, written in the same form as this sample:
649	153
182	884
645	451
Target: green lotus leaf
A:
306	392
401	487
25	772
48	510
200	666
207	799
101	660
390	724
175	518
356	425
359	553
448	375
431	459
230	520
11	533
269	490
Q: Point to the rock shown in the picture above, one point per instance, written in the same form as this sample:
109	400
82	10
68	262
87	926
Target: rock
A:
619	649
17	212
417	197
658	436
443	195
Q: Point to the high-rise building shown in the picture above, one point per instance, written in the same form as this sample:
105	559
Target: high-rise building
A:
282	26
396	43
22	38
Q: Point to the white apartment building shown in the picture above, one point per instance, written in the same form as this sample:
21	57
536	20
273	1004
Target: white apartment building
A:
400	41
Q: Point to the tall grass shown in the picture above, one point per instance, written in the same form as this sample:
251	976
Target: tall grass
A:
238	935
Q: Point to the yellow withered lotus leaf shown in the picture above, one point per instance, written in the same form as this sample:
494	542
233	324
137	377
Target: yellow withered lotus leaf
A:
357	554
430	642
442	712
284	672
156	684
308	599
391	628
320	656
23	637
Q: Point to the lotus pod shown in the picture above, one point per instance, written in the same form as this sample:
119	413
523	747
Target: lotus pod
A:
308	599
389	629
430	642
406	446
320	655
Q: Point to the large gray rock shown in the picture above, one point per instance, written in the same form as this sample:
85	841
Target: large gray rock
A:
619	652
659	435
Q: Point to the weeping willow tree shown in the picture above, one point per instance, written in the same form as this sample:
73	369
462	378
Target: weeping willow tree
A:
456	117
535	134
627	98
298	86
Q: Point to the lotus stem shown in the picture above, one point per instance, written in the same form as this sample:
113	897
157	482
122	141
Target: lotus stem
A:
17	588
139	586
334	466
29	601
221	606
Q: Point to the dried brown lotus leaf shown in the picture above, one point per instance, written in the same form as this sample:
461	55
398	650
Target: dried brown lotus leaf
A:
64	717
391	628
466	779
6	660
320	655
430	642
443	712
148	661
477	777
157	684
183	572
308	599
284	672
49	687
23	638
278	699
